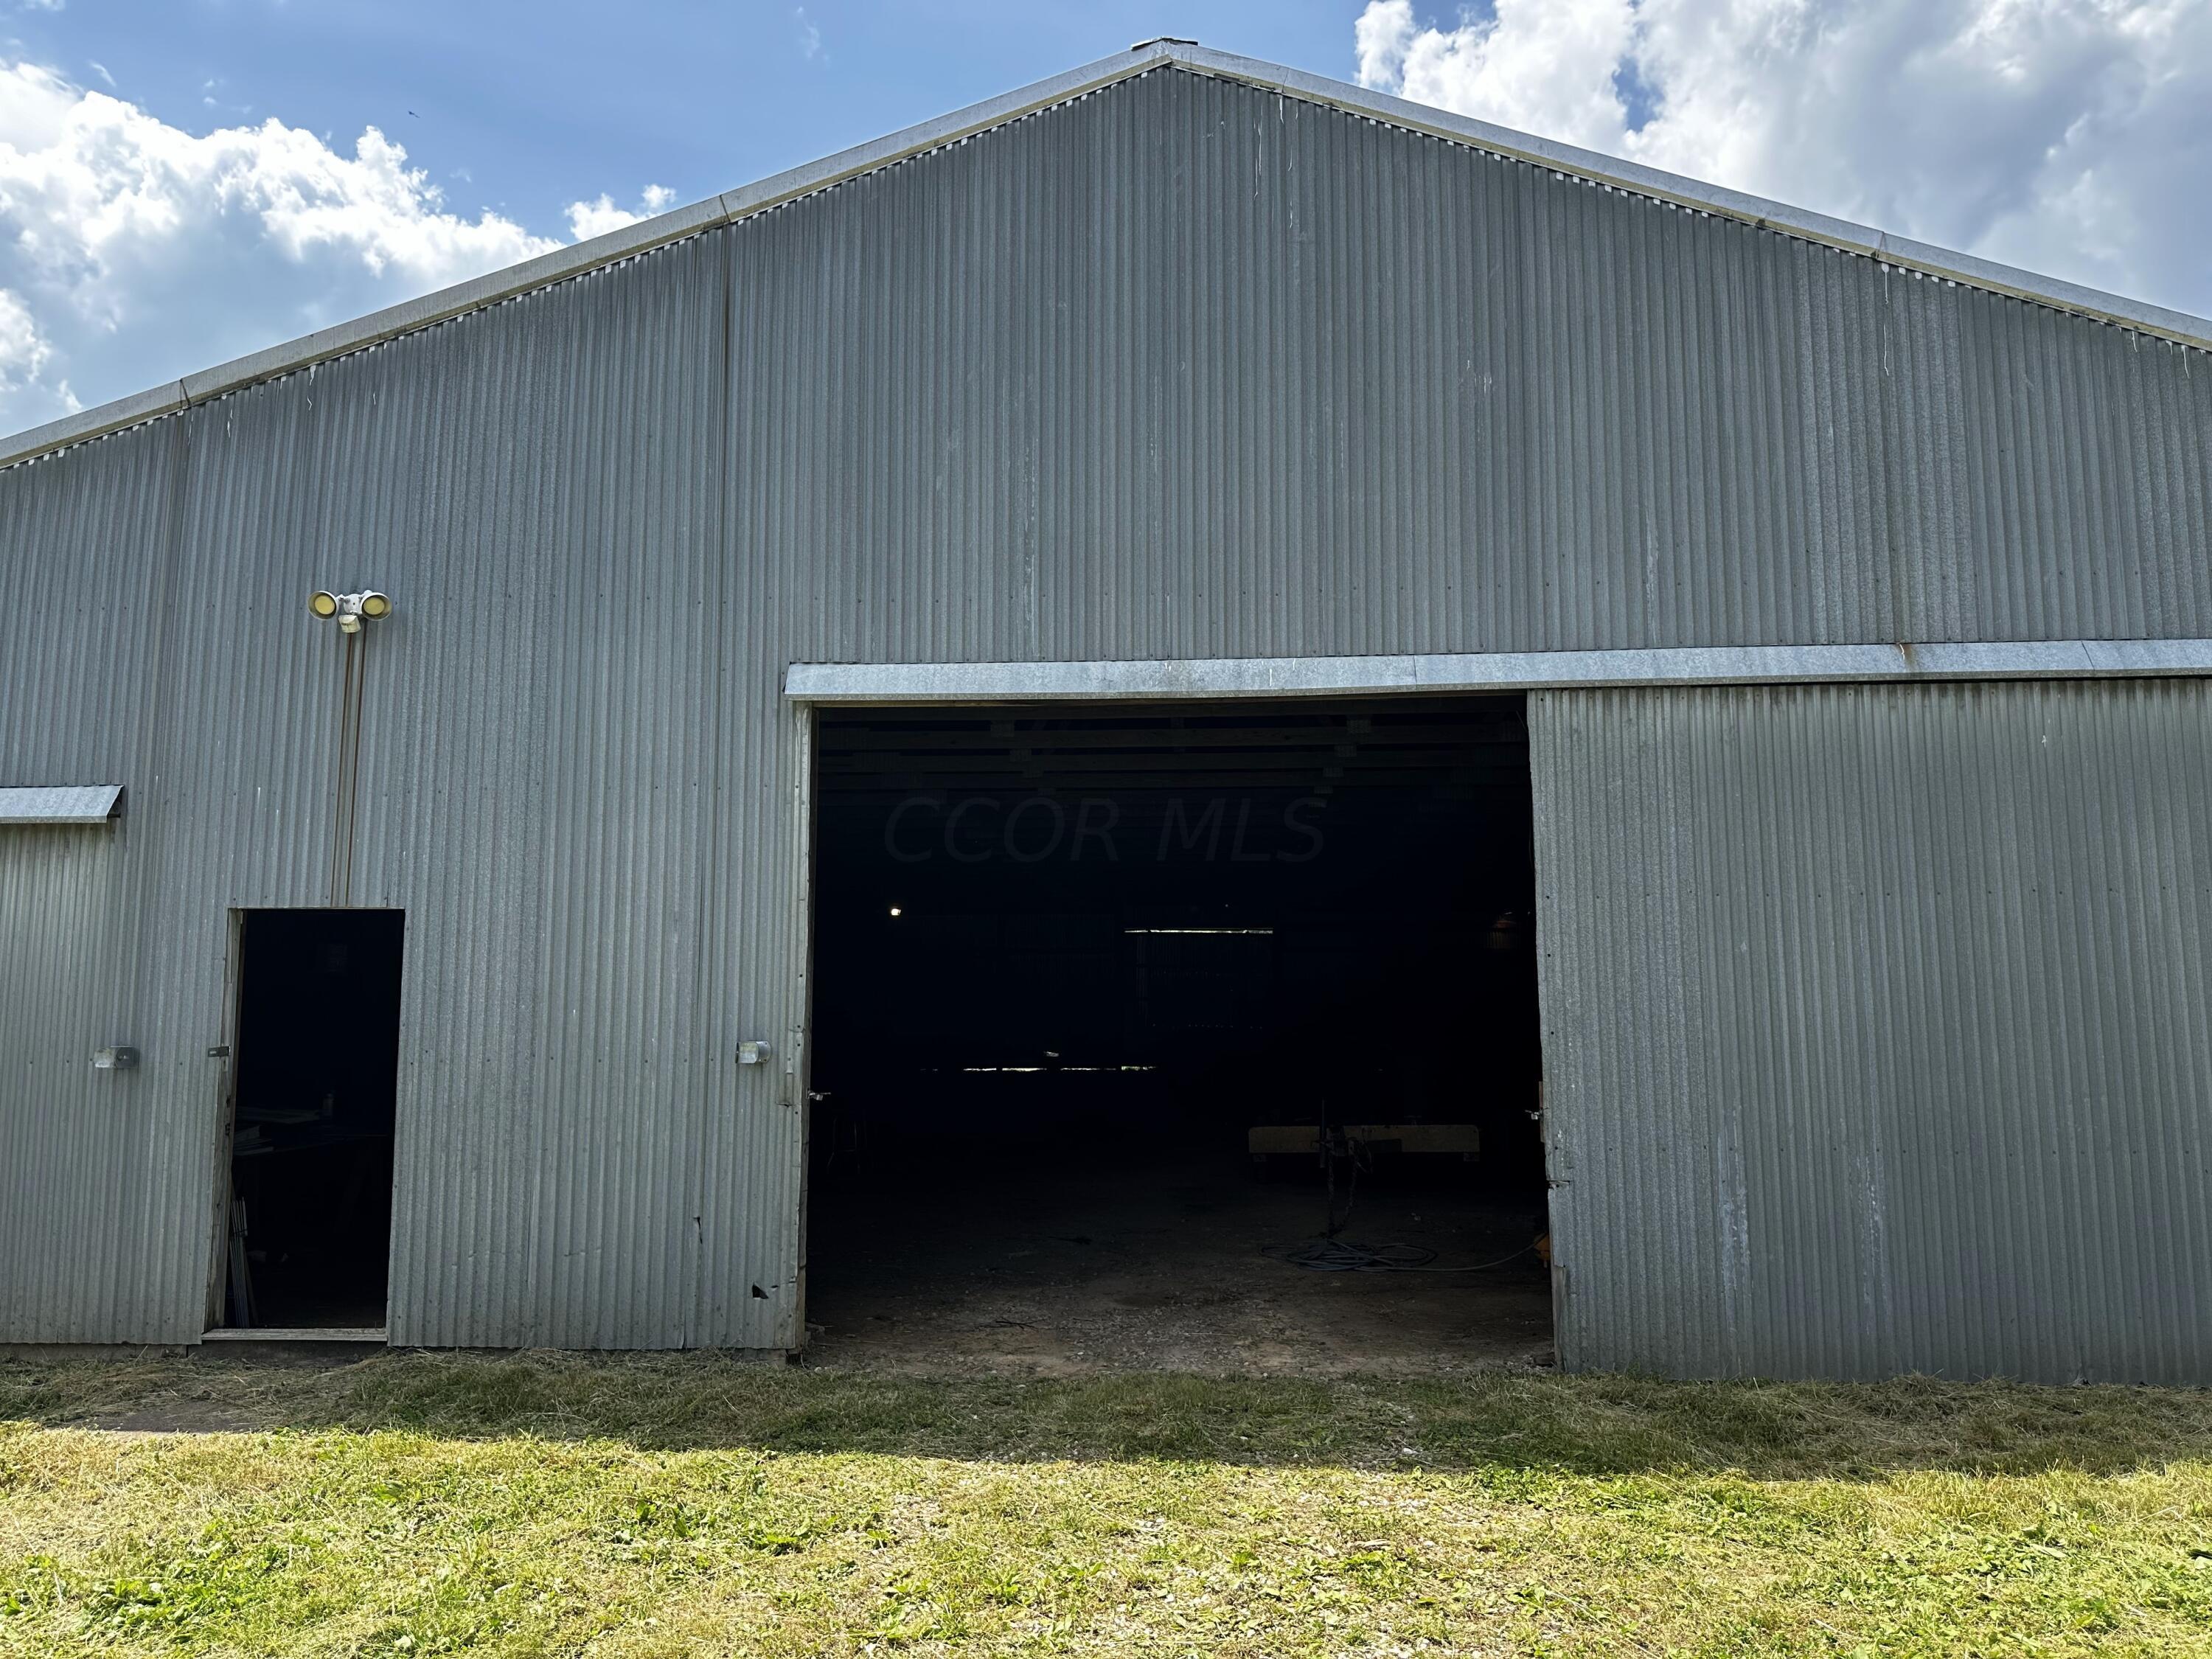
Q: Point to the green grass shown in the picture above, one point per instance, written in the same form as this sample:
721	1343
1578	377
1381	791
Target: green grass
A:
422	1505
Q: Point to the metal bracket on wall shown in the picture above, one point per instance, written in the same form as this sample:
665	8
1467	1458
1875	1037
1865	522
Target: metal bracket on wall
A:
348	771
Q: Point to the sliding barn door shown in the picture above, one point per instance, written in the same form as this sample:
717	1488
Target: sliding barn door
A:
1875	1026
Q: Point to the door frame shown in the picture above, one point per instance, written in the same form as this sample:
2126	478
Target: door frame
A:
216	1301
811	688
800	1069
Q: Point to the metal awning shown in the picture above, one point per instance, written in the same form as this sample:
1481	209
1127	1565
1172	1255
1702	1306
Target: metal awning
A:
61	803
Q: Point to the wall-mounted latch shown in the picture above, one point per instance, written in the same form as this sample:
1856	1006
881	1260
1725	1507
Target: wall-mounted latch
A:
117	1059
221	1051
752	1054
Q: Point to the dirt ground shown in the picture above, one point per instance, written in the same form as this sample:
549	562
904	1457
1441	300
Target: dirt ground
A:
1056	1273
1126	1269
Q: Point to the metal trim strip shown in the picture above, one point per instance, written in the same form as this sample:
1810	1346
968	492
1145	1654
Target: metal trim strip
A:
47	804
1502	670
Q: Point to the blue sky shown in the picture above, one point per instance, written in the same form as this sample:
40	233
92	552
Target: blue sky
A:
523	108
181	183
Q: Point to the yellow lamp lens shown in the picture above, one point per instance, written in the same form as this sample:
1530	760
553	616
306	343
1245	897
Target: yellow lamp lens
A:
323	605
374	606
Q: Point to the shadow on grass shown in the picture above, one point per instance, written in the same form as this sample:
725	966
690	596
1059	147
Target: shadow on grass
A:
1502	1422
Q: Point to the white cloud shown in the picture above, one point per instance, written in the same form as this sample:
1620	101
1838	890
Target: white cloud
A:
1544	63
132	252
2072	136
25	351
597	218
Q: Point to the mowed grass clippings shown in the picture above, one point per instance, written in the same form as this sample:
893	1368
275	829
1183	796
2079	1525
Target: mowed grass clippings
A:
420	1504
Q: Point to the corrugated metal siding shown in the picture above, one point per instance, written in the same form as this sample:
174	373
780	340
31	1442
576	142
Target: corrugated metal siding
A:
1878	1027
100	1225
561	604
1187	370
538	788
1181	368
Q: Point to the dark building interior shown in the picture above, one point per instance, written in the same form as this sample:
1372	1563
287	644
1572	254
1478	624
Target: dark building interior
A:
1170	997
317	1071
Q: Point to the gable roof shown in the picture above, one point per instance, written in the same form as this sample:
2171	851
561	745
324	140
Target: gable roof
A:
174	397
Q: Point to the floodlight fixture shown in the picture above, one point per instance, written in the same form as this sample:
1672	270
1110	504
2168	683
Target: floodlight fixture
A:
349	611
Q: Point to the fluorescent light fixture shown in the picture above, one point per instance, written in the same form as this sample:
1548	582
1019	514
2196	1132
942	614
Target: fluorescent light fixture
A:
999	1070
1207	931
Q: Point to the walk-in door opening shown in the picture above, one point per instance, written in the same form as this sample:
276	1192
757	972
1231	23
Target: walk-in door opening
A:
315	1069
1131	1023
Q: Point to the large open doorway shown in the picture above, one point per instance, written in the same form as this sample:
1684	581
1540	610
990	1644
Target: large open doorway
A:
1180	1035
315	1070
